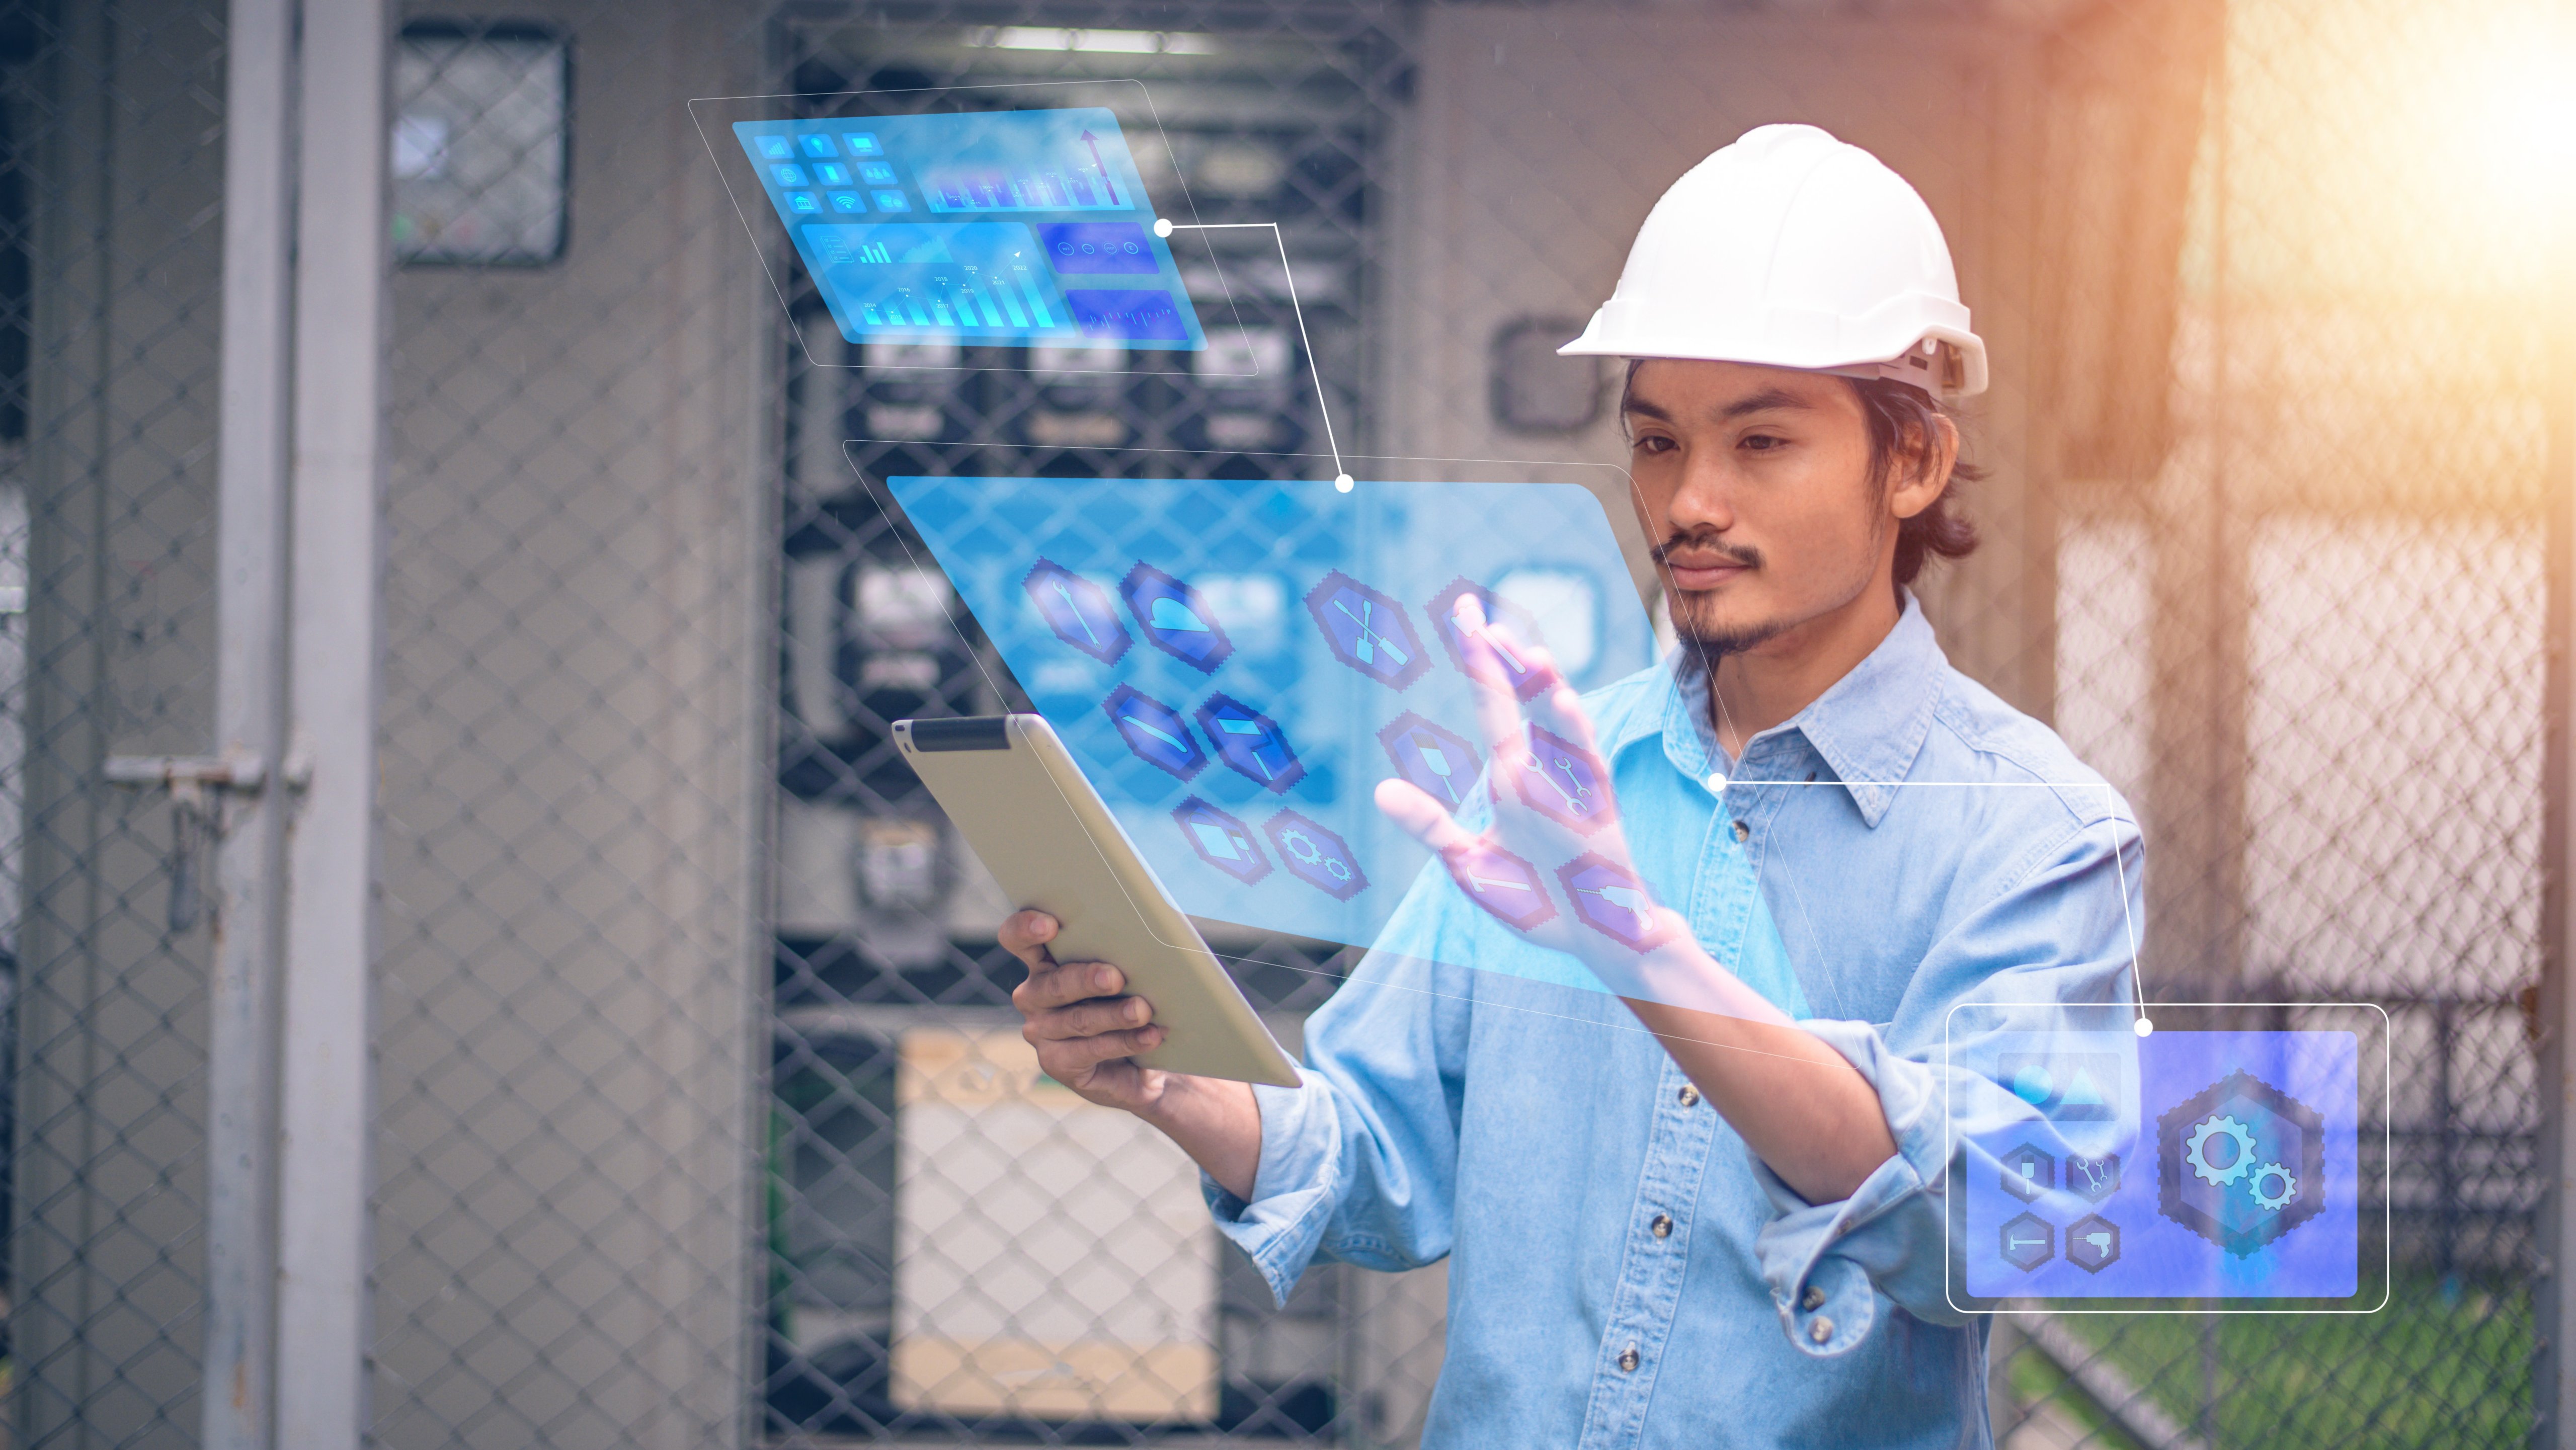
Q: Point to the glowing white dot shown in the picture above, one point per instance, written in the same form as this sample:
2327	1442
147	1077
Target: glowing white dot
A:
1716	783
2145	1027
1342	484
1162	226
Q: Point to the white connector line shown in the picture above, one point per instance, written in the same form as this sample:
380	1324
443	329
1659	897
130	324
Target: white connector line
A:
1165	226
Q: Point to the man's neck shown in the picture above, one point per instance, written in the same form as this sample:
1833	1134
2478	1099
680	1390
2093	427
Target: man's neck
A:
1756	689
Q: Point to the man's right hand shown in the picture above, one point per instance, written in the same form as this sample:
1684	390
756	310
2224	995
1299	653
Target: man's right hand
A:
1087	1035
1085	1031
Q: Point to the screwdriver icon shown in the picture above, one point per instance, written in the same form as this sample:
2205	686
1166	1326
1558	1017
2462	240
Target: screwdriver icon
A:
1369	641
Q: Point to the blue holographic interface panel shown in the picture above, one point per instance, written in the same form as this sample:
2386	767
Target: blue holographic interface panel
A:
1236	665
993	227
2200	1166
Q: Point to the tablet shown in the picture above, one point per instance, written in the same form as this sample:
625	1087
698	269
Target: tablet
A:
1038	826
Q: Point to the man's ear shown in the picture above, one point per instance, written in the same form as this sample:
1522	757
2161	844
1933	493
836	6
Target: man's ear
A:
1923	467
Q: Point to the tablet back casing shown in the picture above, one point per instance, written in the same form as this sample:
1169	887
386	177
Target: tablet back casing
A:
1015	794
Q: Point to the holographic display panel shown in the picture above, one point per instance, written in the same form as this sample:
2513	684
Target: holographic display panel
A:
1237	664
992	227
2201	1166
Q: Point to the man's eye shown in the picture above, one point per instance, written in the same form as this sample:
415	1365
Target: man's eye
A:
1654	443
1763	442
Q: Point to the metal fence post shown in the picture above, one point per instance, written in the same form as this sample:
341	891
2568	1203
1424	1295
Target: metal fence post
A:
327	1094
2554	1309
251	464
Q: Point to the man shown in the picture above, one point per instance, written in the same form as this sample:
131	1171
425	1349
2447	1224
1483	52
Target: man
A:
1705	1209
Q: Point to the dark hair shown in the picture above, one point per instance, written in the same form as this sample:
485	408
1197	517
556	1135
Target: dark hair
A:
1902	421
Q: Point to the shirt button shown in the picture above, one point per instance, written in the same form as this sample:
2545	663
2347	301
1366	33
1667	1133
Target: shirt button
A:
1815	1299
1690	1096
1820	1329
1628	1360
1742	831
1662	1226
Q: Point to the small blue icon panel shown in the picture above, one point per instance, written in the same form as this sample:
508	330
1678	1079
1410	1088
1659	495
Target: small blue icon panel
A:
1077	610
1156	732
2026	1241
1222	841
1315	855
2092	1243
1439	761
1610	899
1507	887
1367	631
1175	619
1251	742
1565	783
1012	200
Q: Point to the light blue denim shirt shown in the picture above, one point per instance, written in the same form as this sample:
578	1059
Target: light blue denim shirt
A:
1622	1271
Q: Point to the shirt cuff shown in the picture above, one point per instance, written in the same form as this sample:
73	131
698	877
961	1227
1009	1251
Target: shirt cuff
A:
1828	1264
1283	1223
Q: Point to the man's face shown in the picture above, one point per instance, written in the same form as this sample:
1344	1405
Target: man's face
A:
1754	484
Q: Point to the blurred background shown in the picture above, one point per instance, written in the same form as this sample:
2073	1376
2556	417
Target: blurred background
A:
680	1100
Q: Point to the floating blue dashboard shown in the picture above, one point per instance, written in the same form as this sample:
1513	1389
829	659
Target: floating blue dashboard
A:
990	227
1236	665
2184	1165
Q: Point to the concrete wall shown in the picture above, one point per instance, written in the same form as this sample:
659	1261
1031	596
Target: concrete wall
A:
578	549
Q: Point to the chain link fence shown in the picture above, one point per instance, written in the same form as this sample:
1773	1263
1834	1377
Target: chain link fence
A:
700	1115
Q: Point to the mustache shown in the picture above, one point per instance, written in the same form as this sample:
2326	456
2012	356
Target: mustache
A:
1749	557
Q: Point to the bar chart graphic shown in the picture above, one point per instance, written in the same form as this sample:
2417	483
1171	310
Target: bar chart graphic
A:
973	278
993	227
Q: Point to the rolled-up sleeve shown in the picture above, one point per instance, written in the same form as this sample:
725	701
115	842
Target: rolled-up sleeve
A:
2062	933
1359	1162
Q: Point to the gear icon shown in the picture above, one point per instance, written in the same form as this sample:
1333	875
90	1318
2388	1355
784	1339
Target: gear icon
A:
2273	1202
2197	1155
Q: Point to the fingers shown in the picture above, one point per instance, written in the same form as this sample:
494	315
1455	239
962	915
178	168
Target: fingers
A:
1067	1059
1052	986
1561	710
1094	1018
1498	713
1025	936
1410	806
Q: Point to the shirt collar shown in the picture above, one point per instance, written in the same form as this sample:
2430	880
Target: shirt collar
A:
1867	727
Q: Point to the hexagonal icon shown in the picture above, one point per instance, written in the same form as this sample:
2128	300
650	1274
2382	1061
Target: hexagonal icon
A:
1251	742
1440	761
1367	631
1521	624
1610	899
1155	731
2093	1179
2028	1172
1077	610
1222	840
1315	855
2240	1163
1175	619
2092	1243
1565	783
1507	887
2026	1241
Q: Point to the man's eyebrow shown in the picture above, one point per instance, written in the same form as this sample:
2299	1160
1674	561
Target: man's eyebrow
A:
1760	402
1763	402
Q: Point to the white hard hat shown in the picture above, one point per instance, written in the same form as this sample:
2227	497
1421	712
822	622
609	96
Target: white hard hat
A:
1792	249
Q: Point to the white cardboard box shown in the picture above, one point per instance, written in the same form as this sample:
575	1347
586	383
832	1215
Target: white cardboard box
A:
1052	1259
